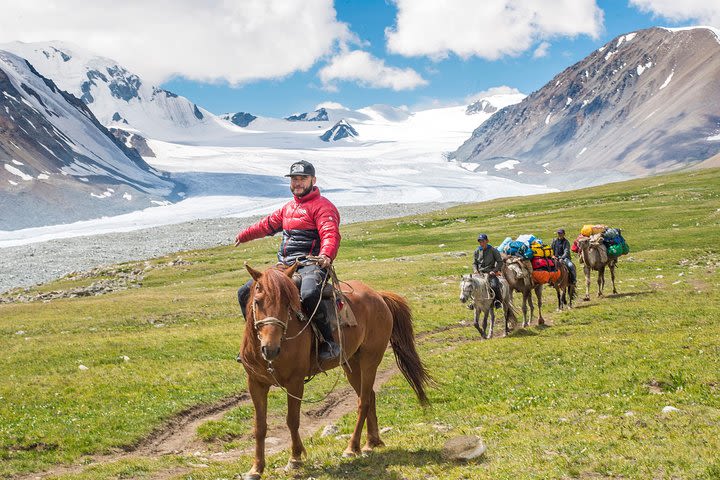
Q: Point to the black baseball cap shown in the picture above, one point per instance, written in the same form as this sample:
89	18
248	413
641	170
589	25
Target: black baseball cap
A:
301	168
482	236
561	230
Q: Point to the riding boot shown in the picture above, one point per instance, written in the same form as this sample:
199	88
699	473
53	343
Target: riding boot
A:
328	349
495	286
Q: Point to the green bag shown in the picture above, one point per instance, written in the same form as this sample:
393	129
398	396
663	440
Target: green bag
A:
615	250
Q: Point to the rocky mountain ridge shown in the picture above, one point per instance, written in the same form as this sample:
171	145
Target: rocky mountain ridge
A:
58	161
644	103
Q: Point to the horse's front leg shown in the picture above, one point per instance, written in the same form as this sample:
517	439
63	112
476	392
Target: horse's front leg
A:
258	392
489	328
477	319
612	277
295	392
586	271
526	322
538	294
601	281
559	297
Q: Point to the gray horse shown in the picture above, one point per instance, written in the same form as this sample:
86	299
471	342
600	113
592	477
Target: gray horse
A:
476	287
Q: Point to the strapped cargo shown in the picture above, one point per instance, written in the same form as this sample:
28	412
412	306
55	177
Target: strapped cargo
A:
590	230
540	250
503	248
526	238
543	277
519	249
544	264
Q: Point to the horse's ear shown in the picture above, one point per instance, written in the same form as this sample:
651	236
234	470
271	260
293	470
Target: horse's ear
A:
290	271
253	273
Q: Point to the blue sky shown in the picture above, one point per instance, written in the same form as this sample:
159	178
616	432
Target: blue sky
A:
450	80
278	57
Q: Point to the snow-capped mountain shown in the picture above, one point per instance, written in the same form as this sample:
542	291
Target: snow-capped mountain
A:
241	119
117	97
340	130
646	102
319	115
58	162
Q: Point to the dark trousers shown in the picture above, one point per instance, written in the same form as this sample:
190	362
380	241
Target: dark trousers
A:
495	286
572	273
310	292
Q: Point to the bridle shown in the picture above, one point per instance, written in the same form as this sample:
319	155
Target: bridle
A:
258	324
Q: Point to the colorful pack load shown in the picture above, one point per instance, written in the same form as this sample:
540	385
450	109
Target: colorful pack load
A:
543	277
575	247
615	243
541	250
519	249
590	230
527	238
544	264
503	248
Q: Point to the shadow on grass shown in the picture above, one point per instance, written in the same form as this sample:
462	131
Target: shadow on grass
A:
530	331
581	303
376	464
631	294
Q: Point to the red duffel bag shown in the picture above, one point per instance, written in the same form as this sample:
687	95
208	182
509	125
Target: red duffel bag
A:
540	263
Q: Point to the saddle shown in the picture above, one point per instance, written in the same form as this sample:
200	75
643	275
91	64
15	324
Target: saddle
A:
337	307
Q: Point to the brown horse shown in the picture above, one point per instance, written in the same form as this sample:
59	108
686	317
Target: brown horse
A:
594	256
519	276
566	291
277	350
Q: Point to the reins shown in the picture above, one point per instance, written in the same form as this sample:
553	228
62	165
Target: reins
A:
284	326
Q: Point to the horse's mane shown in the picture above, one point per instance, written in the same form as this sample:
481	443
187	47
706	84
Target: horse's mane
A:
278	285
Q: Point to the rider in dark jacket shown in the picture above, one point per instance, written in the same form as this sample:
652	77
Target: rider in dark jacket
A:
488	260
561	250
310	225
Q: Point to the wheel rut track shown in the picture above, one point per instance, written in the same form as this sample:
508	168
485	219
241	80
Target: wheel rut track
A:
178	434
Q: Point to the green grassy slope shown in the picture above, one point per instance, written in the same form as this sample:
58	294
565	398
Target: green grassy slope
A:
580	399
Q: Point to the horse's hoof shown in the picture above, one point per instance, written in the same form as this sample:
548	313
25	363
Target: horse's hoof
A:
349	454
586	299
293	464
251	476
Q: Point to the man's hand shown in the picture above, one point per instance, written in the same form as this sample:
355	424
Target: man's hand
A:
324	261
237	240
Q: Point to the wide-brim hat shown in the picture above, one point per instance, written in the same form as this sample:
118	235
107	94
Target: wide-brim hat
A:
302	168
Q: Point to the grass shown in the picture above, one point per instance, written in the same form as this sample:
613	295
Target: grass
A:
580	399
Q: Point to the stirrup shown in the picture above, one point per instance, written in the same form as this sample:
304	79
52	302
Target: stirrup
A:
329	351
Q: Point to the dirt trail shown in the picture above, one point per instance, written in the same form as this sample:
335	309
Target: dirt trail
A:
178	435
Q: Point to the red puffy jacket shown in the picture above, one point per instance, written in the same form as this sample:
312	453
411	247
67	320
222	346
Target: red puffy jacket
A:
310	226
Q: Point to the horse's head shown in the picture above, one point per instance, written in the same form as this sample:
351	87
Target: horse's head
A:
466	288
273	300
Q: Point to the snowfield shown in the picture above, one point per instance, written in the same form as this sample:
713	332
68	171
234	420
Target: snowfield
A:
398	157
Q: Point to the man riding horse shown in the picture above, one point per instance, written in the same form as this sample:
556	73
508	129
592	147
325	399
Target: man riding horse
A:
310	225
561	250
488	260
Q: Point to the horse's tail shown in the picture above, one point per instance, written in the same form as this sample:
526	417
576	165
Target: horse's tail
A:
402	340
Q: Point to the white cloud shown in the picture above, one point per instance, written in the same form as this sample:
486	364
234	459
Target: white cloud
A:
332	105
212	40
541	50
361	67
703	11
501	90
489	29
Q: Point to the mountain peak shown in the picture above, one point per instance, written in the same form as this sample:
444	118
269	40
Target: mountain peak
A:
645	102
340	130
